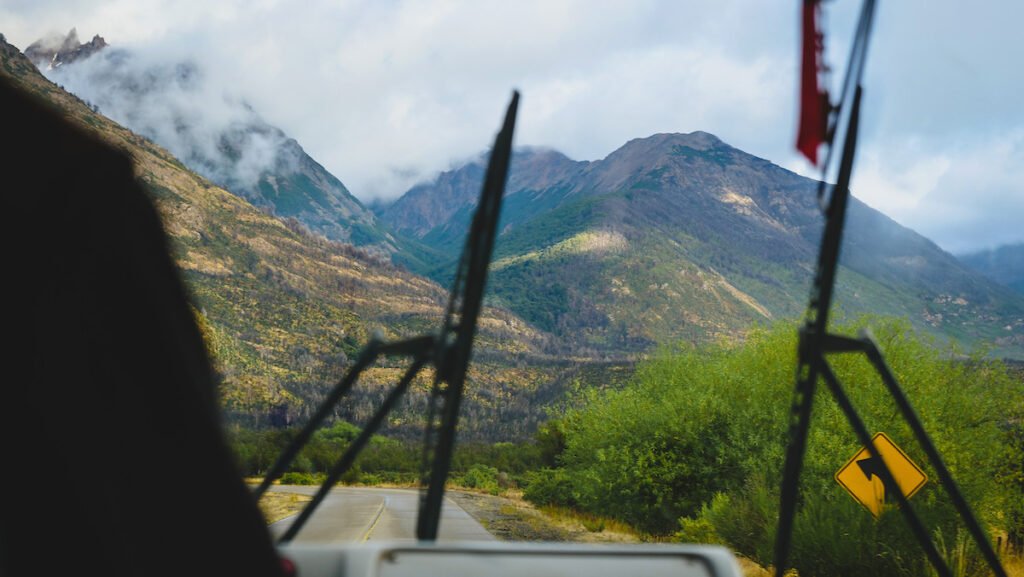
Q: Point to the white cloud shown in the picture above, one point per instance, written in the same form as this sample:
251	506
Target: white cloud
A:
177	105
965	197
979	203
384	93
897	181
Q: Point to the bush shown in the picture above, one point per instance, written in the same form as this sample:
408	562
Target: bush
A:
370	479
741	520
297	478
700	435
481	477
700	529
550	487
592	524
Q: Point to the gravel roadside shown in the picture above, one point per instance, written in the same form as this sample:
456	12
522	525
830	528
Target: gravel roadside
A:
511	519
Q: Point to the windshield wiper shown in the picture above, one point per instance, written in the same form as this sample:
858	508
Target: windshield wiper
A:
448	352
815	343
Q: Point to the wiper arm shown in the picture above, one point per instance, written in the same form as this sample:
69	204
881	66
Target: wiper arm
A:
449	352
370	353
460	323
816	343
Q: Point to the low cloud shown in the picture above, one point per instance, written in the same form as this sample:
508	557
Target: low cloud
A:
175	104
965	198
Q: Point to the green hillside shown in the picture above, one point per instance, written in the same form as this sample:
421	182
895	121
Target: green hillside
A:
681	236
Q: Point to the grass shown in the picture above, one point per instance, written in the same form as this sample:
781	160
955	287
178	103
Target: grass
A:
509	518
277	506
1014	565
597	528
751	569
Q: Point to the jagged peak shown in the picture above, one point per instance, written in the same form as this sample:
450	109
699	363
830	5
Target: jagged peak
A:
55	50
71	41
53	42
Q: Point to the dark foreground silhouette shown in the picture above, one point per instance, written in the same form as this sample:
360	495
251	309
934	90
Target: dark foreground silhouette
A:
114	462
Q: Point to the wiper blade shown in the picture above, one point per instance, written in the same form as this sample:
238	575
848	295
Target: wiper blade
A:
448	351
460	322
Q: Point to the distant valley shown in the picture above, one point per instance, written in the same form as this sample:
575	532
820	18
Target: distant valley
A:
1004	264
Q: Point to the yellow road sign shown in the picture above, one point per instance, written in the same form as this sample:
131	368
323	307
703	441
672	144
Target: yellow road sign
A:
861	475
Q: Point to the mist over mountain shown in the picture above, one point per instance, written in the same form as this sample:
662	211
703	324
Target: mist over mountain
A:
284	312
1004	264
212	131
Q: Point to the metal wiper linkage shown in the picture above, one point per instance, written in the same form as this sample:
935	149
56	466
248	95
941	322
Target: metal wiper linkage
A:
449	353
815	342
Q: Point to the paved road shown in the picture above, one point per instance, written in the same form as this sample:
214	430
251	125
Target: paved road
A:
357	514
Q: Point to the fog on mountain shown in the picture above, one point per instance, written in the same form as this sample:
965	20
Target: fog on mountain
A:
170	102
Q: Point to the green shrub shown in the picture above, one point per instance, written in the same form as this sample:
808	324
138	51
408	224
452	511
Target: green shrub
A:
695	445
592	524
746	519
699	529
371	479
299	478
550	487
482	477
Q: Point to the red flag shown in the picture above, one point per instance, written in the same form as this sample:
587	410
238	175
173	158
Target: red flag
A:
814	103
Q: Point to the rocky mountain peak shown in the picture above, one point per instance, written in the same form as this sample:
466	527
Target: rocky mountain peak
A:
56	50
666	141
538	168
538	153
697	139
639	156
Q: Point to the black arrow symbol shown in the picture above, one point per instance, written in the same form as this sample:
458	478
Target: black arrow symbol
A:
872	467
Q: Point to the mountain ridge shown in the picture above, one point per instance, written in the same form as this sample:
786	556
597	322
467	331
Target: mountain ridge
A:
727	239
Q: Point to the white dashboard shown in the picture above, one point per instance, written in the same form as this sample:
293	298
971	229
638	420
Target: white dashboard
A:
498	559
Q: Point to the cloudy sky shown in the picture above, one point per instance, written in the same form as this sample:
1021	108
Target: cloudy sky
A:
385	93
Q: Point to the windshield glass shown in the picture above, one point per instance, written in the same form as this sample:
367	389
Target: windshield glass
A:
318	168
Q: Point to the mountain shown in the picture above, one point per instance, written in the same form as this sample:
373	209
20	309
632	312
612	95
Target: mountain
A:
434	211
1004	264
56	51
284	311
218	136
681	236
